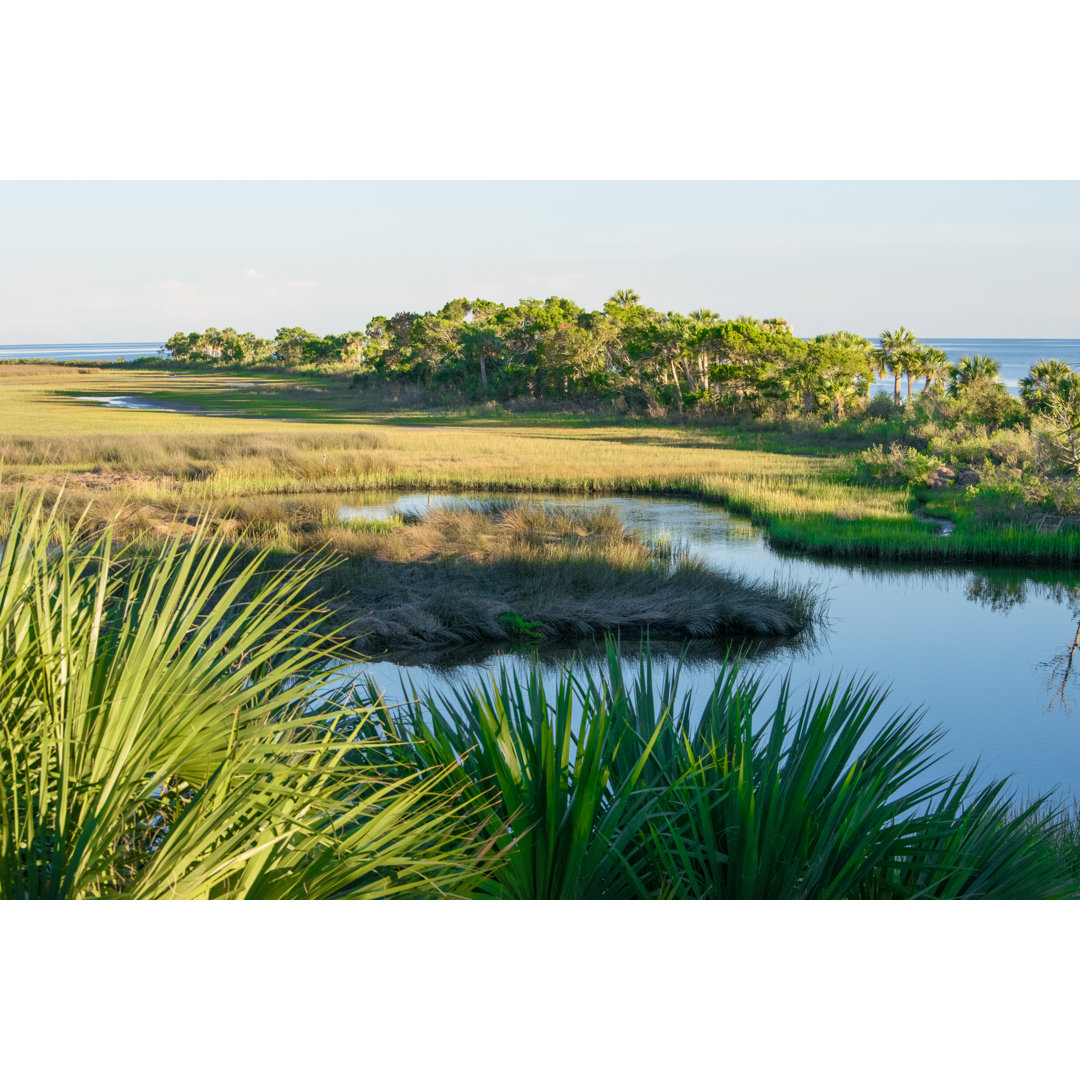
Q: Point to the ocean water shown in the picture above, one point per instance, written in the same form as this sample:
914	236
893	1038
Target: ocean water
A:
1014	355
81	351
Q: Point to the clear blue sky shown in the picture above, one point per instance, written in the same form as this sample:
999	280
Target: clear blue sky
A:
117	260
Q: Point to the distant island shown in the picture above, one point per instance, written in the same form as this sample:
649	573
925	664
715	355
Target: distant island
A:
626	355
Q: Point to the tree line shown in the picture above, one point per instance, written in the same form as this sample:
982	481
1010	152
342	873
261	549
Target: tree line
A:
626	354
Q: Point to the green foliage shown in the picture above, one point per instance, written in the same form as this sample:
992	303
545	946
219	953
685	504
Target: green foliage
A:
169	728
810	806
971	372
1047	384
520	629
882	407
992	405
898	355
1051	390
564	828
971	844
555	350
899	464
605	789
214	347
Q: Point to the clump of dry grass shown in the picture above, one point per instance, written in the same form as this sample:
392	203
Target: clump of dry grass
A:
482	572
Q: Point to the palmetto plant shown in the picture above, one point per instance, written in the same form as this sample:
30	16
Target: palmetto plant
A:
537	767
168	728
1048	382
604	788
625	297
818	799
802	809
1051	390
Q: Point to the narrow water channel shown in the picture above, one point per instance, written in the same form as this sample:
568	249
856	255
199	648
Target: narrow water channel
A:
989	653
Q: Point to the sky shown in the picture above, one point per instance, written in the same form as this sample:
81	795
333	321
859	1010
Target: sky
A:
128	260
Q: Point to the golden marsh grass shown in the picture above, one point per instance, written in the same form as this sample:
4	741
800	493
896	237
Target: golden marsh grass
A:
153	464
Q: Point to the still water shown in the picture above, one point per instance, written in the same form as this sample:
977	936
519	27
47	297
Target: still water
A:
986	652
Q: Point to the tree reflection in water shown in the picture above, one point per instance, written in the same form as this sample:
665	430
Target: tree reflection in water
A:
1002	592
1059	670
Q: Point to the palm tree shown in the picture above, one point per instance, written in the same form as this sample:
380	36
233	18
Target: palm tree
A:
895	346
935	365
700	338
1052	390
777	325
923	362
836	389
971	372
352	346
805	383
624	297
913	367
1047	379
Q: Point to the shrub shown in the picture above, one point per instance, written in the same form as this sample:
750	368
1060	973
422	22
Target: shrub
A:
900	464
882	407
991	404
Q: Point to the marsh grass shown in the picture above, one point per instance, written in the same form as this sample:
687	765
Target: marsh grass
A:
456	576
303	454
916	541
800	486
474	573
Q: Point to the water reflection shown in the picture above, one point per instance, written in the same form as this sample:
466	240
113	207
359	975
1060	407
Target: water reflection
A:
1003	591
1059	671
694	655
